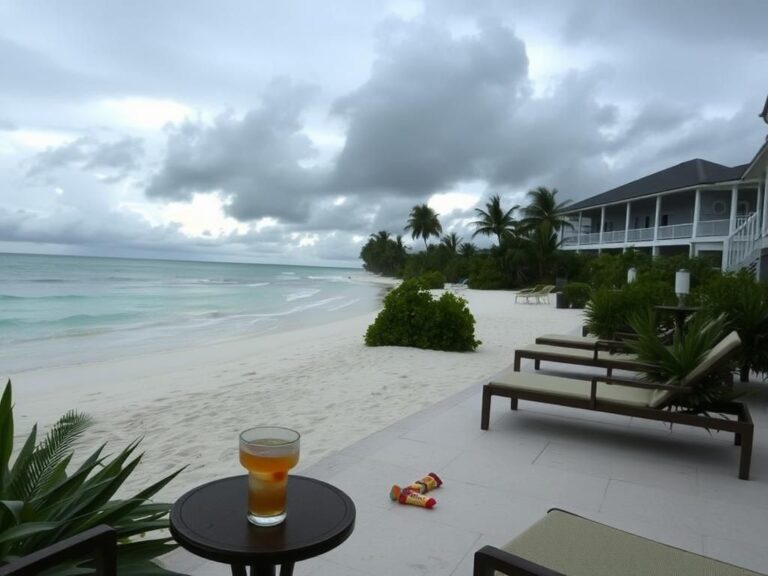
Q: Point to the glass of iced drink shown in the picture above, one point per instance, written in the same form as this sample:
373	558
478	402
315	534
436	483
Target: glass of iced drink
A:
268	452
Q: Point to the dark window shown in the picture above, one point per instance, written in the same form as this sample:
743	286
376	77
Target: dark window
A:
647	221
664	219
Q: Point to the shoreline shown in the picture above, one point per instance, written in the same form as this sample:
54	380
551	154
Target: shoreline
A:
189	404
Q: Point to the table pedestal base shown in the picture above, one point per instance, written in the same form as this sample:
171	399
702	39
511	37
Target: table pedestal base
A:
262	570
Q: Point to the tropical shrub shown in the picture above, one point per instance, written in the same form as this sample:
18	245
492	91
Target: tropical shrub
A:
672	363
744	303
412	317
486	274
608	311
40	504
432	280
577	294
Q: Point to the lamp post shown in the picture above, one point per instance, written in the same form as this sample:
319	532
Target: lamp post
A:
682	285
631	275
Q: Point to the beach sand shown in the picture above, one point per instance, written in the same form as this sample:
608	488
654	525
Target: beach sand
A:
189	405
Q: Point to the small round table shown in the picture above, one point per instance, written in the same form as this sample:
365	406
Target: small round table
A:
210	521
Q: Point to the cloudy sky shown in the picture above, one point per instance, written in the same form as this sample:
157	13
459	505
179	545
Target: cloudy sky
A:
289	131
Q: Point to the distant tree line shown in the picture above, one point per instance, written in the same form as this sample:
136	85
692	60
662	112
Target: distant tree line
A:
525	249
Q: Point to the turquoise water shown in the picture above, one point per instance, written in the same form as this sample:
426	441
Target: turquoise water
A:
64	309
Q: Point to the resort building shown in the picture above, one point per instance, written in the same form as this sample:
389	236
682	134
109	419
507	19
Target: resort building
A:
698	207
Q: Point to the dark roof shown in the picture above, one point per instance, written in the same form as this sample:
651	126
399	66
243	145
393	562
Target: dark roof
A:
764	113
690	173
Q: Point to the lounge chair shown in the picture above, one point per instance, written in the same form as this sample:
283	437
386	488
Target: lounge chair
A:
602	354
633	398
564	543
98	543
580	342
540	296
525	292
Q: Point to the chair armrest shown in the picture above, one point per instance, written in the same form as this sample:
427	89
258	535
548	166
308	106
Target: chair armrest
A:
100	543
490	559
621	336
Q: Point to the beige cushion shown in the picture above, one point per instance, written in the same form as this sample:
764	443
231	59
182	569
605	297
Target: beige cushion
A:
579	547
718	352
569	339
573	388
566	353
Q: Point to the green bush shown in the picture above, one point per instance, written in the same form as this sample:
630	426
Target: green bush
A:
40	504
672	363
577	294
432	280
609	311
412	317
486	274
744	302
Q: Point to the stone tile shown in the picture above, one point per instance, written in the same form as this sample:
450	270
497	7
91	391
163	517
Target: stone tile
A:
404	541
733	551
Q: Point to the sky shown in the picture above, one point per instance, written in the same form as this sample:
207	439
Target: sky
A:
288	132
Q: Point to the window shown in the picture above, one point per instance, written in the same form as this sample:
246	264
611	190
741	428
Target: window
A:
664	220
647	221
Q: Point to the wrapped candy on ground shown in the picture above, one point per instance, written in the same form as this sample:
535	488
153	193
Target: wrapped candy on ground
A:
424	485
407	496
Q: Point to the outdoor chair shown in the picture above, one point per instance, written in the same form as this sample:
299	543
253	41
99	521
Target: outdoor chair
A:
525	292
98	543
602	354
638	399
580	342
540	296
563	543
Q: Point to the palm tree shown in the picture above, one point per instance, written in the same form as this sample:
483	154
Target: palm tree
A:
467	249
544	210
451	241
494	220
423	223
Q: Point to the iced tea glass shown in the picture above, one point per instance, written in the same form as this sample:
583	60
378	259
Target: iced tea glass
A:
268	452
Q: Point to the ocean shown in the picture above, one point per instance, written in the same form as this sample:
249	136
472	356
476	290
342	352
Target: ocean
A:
61	310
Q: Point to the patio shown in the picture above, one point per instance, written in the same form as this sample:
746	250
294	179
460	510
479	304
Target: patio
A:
678	486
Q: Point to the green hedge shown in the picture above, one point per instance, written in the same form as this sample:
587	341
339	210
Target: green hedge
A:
412	317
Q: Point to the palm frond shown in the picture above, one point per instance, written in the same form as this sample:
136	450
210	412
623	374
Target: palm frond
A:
46	457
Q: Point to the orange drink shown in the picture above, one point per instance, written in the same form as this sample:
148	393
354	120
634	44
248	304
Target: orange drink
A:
268	452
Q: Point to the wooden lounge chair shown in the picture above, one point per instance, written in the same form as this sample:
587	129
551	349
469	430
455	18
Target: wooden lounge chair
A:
633	398
563	543
98	543
580	342
602	354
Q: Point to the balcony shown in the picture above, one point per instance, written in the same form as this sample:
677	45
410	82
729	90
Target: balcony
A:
675	231
713	228
640	235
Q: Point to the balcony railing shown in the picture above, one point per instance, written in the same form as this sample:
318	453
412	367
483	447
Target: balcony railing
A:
704	229
639	234
675	231
613	236
713	228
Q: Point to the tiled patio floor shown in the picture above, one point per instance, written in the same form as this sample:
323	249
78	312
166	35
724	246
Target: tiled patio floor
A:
678	486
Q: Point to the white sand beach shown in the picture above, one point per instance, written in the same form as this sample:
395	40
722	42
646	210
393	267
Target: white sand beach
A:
190	404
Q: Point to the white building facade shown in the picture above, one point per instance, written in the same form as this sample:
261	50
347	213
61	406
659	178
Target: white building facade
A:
698	207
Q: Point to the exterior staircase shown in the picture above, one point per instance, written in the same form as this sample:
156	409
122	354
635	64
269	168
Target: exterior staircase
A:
744	246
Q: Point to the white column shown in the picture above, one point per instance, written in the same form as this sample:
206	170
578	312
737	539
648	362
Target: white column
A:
626	226
578	231
765	203
734	205
656	220
696	213
602	223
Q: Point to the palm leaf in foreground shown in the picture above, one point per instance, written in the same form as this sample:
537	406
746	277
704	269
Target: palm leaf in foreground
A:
40	504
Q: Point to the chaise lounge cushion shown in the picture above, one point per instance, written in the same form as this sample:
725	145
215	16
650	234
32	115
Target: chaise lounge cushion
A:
575	353
572	388
577	546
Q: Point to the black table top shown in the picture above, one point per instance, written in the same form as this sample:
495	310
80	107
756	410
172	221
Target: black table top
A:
210	521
